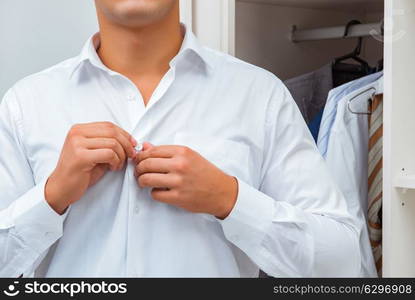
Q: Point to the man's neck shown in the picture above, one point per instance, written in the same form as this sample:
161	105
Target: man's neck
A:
140	53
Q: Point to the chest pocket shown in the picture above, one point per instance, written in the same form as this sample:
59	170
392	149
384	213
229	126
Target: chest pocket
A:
229	156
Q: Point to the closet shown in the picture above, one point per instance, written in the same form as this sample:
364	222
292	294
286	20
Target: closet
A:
294	37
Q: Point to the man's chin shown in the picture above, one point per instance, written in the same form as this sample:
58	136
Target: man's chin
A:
139	13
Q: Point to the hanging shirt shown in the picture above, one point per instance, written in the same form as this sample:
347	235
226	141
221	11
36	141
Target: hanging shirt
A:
310	93
347	158
290	219
330	110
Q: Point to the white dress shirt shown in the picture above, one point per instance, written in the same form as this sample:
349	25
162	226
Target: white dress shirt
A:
330	109
290	219
347	158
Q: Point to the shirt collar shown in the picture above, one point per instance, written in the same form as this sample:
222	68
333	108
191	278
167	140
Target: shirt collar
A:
190	45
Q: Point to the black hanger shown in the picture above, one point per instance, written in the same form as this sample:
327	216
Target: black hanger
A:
356	52
379	67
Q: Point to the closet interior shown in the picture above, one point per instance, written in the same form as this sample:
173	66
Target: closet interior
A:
264	29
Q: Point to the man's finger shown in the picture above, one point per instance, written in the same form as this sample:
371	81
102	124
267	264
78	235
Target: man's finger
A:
127	145
147	146
164	195
98	125
109	130
103	156
153	165
157	180
158	152
107	143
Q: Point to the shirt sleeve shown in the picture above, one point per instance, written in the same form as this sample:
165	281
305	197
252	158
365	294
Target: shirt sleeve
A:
296	224
28	225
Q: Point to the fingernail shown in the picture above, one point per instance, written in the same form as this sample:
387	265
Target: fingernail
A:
134	141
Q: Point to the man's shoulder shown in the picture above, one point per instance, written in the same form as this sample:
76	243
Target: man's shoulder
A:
46	78
232	66
249	80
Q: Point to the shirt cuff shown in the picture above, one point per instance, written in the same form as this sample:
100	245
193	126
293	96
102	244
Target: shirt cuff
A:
250	218
36	224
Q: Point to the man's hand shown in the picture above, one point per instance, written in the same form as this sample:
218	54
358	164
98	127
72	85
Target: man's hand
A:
181	177
89	151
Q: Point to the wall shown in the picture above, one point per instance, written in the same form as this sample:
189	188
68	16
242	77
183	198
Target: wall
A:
37	34
262	37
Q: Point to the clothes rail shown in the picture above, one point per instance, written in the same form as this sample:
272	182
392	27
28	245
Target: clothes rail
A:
337	32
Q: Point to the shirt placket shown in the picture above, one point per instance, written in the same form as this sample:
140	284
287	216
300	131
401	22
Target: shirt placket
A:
140	121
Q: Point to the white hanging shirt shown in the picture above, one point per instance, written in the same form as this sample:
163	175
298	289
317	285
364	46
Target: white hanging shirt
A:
289	218
330	109
347	158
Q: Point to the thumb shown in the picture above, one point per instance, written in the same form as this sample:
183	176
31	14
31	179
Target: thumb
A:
147	146
140	148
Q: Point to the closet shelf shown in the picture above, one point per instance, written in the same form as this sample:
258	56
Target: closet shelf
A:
405	182
345	5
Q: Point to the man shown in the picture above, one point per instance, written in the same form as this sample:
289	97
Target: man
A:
229	181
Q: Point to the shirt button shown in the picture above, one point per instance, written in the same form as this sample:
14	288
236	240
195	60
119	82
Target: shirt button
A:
130	97
136	209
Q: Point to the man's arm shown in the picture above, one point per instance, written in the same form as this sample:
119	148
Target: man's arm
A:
28	225
297	224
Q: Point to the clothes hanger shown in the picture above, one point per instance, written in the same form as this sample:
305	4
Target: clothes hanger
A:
356	52
369	110
374	93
